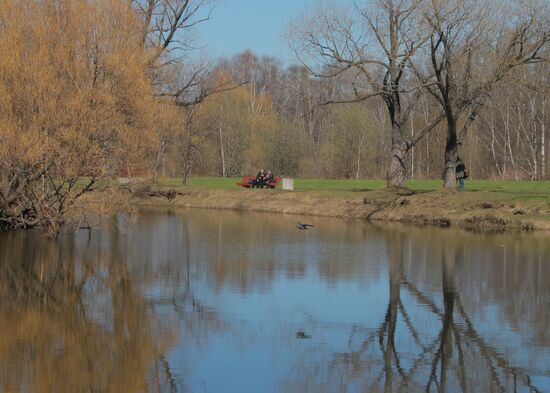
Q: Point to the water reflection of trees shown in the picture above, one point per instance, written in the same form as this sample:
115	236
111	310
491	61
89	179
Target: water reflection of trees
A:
248	252
72	322
454	357
105	320
509	270
427	339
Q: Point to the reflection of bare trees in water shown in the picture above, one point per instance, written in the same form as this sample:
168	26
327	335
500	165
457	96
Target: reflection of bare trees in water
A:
195	317
401	354
82	317
75	319
453	357
75	327
177	297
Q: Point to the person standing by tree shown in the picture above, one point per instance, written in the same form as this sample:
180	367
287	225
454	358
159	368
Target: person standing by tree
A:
461	173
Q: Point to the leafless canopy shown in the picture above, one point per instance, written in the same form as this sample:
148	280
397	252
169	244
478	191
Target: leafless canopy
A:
167	24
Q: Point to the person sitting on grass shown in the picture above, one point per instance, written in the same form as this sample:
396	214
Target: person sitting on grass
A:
461	173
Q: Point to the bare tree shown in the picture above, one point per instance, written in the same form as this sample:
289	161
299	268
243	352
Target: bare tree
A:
373	46
474	46
167	24
167	28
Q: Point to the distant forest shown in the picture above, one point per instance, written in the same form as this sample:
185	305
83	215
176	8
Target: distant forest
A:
390	89
282	118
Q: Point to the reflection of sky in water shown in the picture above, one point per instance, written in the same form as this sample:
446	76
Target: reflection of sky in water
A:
261	348
237	288
264	348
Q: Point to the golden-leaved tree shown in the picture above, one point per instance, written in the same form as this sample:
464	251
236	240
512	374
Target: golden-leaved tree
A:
239	124
75	104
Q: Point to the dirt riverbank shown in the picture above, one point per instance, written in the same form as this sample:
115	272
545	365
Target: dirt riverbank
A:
470	210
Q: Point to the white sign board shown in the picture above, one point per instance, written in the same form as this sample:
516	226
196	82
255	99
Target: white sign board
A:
288	183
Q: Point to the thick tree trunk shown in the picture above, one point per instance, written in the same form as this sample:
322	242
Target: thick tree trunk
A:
398	165
451	154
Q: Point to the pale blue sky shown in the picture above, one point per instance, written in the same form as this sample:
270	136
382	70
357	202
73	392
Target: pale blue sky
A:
258	25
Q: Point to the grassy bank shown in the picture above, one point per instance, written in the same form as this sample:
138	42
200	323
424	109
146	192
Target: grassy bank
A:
484	204
515	189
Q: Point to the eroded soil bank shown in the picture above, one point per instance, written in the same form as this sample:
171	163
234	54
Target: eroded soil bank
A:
470	210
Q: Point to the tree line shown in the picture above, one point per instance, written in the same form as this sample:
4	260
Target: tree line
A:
392	89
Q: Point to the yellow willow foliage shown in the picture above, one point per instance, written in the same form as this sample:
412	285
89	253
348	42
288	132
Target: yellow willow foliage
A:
75	99
256	107
68	330
244	119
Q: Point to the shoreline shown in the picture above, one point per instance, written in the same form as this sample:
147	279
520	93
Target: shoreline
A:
467	210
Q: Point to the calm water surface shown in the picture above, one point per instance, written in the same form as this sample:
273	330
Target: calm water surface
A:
210	301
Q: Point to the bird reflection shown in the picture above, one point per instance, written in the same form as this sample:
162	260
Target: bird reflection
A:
303	226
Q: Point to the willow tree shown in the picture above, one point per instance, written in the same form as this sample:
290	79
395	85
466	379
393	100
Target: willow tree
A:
75	104
372	46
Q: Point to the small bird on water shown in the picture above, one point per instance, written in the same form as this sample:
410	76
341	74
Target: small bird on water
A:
302	335
303	226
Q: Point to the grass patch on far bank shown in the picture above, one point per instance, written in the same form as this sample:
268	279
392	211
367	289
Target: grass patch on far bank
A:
299	184
520	204
200	182
513	189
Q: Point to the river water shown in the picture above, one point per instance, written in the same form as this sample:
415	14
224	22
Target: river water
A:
214	301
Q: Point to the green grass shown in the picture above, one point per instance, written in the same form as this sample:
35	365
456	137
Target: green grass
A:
338	184
512	189
201	182
509	186
299	184
541	188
